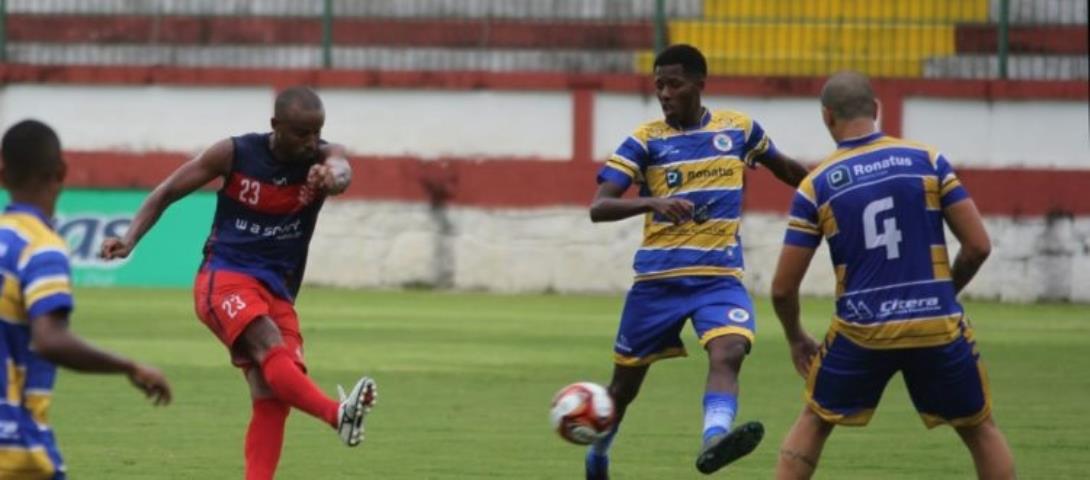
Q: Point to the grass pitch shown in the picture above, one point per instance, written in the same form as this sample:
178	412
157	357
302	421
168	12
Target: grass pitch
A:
465	381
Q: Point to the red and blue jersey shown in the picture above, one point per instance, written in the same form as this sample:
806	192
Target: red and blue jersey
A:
264	217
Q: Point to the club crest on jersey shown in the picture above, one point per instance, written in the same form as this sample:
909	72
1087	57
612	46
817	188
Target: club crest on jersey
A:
673	178
738	315
839	177
722	142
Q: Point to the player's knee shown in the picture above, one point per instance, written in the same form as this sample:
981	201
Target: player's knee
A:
727	351
623	393
820	426
975	433
261	336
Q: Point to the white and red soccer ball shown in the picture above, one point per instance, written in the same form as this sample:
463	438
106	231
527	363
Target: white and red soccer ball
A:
582	413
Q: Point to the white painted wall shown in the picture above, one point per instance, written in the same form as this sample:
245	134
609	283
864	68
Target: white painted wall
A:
433	123
461	123
1034	134
184	119
383	122
390	244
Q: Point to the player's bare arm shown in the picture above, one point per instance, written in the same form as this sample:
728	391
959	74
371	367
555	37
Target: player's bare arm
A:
964	220
785	168
215	162
608	206
790	270
51	339
334	174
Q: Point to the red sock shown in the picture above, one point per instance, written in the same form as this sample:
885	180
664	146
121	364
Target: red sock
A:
293	387
265	437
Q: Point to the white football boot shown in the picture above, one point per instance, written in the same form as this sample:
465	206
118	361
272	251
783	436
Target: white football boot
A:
354	406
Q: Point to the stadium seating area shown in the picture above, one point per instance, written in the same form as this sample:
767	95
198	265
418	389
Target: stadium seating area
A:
890	38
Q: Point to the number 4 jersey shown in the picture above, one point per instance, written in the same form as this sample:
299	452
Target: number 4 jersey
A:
878	201
264	218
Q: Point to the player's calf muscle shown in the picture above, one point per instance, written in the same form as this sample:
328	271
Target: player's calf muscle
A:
797	457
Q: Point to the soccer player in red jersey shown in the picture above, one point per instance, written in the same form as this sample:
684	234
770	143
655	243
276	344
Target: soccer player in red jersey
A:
274	185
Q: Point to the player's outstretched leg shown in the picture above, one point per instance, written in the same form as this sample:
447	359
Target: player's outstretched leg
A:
721	444
720	450
623	389
354	407
285	377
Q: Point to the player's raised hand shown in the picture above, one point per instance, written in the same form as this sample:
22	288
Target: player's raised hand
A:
331	177
803	350
677	210
152	382
114	247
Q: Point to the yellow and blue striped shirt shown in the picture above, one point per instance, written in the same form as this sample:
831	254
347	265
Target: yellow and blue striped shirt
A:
879	201
36	281
705	165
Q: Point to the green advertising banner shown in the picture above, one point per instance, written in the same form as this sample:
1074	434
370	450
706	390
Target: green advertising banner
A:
168	256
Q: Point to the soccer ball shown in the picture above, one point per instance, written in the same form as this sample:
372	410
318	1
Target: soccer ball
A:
582	413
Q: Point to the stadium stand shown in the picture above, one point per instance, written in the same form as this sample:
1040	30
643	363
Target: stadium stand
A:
894	38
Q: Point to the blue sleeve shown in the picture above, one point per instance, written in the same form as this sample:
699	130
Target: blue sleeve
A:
46	282
803	229
950	189
758	144
626	165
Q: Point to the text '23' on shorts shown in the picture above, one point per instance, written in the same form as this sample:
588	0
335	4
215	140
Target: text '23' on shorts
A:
227	302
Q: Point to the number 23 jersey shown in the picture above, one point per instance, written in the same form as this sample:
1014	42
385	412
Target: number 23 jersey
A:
264	217
879	202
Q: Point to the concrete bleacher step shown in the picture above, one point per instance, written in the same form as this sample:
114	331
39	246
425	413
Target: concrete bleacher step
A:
945	11
910	40
347	31
377	58
814	48
1042	12
1019	67
803	65
523	9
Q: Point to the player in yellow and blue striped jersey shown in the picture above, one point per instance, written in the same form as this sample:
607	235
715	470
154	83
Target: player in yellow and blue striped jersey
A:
880	203
35	304
690	168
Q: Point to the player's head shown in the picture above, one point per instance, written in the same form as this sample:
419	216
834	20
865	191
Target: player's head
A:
679	78
847	97
297	122
31	159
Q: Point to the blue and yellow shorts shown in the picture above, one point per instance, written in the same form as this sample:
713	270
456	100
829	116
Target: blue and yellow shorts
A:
27	451
947	383
656	310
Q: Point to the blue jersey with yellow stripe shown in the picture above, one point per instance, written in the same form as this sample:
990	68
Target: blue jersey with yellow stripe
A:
878	201
705	165
36	281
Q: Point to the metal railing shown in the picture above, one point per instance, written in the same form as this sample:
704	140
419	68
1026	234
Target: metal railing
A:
1042	39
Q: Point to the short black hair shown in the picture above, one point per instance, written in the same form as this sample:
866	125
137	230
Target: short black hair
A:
690	59
297	96
31	151
848	95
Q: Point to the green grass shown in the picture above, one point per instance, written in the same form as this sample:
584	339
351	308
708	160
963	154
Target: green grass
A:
465	381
